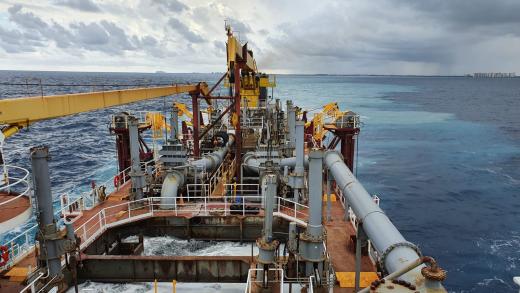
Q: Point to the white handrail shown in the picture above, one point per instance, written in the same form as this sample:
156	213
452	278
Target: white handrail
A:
250	281
23	243
98	222
114	215
31	285
21	180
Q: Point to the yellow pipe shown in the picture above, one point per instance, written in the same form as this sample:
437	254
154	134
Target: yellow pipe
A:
174	283
155	286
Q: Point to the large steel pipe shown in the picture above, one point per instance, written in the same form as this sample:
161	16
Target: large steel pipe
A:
46	225
175	179
291	121
300	144
386	239
170	189
252	162
211	161
136	174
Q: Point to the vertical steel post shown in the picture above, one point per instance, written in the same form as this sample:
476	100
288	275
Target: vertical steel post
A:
47	226
266	245
174	125
311	242
238	131
269	194
136	174
360	238
195	108
5	175
300	157
328	196
315	192
348	137
291	120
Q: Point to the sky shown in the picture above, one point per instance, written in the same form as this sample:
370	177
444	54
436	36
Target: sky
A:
308	36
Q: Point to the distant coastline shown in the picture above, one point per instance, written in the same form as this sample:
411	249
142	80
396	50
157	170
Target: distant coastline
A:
511	75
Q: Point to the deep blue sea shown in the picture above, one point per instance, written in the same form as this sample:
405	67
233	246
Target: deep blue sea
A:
442	153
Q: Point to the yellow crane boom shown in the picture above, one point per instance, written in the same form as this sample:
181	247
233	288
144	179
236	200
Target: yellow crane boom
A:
17	113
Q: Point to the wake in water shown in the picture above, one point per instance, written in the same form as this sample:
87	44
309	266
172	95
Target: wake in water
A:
169	245
96	287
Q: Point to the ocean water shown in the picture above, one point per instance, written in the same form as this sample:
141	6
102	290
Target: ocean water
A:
442	153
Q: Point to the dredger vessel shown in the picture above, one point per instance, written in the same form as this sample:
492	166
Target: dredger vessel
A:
242	167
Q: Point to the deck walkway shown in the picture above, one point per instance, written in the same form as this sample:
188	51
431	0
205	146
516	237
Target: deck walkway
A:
14	208
8	285
339	244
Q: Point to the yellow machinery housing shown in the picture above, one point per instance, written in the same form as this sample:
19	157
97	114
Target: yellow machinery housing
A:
253	84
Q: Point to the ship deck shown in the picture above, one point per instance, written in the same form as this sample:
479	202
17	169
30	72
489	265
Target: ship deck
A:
14	208
339	244
339	235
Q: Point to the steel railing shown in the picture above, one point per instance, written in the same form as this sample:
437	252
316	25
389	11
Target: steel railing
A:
23	244
17	183
132	211
239	202
251	281
20	246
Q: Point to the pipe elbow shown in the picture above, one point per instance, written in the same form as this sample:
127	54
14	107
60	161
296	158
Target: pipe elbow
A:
170	188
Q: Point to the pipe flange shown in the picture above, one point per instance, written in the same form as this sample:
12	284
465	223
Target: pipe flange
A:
434	273
305	236
262	243
383	256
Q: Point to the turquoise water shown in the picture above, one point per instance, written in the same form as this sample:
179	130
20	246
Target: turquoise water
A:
443	154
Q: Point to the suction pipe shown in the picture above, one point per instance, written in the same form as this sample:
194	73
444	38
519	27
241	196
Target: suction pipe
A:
176	178
394	250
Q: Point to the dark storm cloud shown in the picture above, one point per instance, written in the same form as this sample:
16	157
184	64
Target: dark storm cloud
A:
83	5
470	12
170	5
373	33
185	31
103	36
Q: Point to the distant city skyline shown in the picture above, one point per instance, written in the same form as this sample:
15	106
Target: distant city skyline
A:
393	37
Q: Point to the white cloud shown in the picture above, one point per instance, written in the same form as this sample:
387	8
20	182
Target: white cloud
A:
355	36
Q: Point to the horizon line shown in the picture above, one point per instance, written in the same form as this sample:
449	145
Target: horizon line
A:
217	72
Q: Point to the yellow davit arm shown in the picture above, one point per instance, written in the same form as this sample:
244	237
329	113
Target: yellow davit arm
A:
17	113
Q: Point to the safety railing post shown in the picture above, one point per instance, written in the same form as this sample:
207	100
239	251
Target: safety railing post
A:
100	220
27	237
128	206
243	206
84	233
205	207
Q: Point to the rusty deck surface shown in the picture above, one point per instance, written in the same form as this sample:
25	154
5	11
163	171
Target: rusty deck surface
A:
13	208
339	232
339	244
30	259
